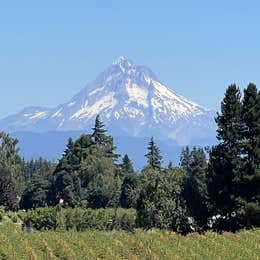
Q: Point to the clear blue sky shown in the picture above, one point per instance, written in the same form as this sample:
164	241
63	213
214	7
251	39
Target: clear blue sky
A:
50	49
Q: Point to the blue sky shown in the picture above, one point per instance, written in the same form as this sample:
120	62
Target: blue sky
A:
50	50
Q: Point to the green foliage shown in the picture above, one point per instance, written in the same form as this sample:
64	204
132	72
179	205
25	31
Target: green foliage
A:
102	140
225	161
89	177
8	193
14	218
65	189
154	159
234	166
248	179
185	158
86	171
195	186
10	158
35	194
79	219
160	204
37	176
38	168
129	184
127	165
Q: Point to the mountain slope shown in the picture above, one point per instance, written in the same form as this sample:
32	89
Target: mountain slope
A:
132	102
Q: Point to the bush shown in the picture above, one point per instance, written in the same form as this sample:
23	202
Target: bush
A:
40	218
13	216
79	219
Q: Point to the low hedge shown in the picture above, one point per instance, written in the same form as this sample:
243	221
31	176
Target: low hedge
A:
55	218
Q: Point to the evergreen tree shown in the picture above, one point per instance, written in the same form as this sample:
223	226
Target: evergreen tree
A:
37	176
225	162
195	187
130	182
10	158
37	168
185	158
69	147
67	180
249	178
115	198
102	140
8	192
154	159
229	121
35	194
127	165
170	165
87	169
99	133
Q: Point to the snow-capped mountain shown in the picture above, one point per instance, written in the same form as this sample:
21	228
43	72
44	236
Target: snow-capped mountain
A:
131	102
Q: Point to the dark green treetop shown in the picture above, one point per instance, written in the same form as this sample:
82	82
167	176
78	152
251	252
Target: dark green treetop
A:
154	158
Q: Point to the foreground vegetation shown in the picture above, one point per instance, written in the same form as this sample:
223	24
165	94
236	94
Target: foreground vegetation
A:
15	244
212	189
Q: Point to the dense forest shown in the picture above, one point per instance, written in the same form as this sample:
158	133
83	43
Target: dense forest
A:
214	188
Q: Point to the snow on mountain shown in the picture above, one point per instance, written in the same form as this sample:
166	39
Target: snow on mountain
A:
131	102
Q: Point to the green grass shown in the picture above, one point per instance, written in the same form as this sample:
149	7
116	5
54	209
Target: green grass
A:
14	244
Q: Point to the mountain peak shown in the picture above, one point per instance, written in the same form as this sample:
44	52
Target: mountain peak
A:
131	101
123	62
121	59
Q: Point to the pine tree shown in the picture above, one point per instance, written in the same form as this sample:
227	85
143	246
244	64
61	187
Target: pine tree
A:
103	141
86	170
249	178
154	159
225	162
99	133
69	147
127	165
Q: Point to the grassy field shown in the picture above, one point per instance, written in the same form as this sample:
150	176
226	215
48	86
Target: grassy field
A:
14	244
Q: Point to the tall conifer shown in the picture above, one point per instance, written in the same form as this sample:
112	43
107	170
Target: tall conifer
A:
249	177
154	158
225	162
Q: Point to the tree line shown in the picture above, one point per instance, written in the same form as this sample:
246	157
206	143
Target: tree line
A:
214	187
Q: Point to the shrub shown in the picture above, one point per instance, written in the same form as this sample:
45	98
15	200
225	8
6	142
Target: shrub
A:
41	218
78	219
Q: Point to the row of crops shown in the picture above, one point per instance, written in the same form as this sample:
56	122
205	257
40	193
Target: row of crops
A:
15	244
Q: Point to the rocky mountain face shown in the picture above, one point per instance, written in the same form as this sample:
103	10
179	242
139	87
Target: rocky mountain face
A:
131	101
